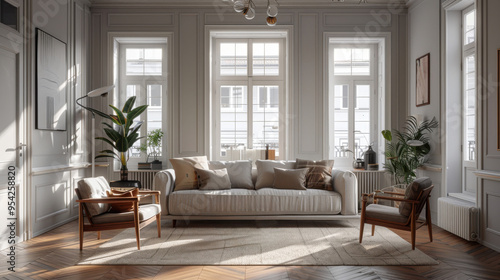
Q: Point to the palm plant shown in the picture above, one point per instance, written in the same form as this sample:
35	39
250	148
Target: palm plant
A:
121	136
408	150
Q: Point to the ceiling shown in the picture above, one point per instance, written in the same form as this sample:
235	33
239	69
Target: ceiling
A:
282	3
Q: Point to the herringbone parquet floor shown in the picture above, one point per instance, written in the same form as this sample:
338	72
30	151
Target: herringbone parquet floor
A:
54	254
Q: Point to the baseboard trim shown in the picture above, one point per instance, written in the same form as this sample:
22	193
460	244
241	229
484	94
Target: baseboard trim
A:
260	217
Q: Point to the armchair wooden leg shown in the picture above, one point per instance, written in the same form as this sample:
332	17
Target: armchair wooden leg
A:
173	223
362	222
413	228
428	219
80	224
158	224
136	224
98	235
373	230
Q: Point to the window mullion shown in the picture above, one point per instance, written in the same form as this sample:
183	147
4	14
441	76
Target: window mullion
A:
250	113
351	114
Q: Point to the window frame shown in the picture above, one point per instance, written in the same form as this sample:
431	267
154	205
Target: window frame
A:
249	81
353	81
468	50
143	81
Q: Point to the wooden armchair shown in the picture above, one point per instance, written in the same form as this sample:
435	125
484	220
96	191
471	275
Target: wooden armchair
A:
94	202
406	217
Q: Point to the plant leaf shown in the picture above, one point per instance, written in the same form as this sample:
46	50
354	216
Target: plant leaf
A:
387	135
107	141
120	117
122	145
129	104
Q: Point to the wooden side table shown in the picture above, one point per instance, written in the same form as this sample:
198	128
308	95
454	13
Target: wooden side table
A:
125	185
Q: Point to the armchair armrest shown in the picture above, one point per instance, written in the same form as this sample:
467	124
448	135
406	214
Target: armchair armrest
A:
346	183
164	182
108	200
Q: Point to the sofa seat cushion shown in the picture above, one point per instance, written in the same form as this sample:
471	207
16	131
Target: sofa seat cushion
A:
266	201
386	213
145	212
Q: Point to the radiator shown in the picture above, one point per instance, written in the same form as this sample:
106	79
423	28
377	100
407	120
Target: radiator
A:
458	217
370	181
143	176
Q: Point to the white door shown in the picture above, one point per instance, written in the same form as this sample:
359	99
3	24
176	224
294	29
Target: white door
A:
11	148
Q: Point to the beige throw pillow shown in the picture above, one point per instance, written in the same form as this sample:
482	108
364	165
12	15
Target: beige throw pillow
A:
293	179
265	172
319	175
240	172
185	176
213	179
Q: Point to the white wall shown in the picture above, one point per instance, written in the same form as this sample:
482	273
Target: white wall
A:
423	38
58	157
188	134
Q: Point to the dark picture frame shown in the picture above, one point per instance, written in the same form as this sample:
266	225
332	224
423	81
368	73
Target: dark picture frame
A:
51	82
423	86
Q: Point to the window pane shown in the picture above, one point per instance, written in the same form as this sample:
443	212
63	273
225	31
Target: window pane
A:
233	59
362	120
233	117
355	61
470	27
135	68
266	117
135	54
154	95
470	108
266	59
152	68
341	120
153	54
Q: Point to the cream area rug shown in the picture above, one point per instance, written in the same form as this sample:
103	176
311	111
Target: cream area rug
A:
259	243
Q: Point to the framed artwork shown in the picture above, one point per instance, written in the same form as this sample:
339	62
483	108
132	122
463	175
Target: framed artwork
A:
423	80
51	79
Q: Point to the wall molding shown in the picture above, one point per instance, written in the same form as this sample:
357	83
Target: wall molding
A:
487	175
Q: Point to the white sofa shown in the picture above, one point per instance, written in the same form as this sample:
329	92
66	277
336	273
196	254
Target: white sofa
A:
261	204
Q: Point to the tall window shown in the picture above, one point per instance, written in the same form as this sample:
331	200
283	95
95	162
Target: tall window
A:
353	102
248	79
469	96
143	74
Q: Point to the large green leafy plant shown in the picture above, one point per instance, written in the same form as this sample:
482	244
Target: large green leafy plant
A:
407	150
121	135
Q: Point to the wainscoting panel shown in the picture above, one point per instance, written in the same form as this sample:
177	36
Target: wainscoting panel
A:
51	201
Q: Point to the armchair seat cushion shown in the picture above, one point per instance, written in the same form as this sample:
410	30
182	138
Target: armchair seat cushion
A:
145	212
386	213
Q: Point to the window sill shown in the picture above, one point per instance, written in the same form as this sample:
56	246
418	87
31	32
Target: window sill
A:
464	196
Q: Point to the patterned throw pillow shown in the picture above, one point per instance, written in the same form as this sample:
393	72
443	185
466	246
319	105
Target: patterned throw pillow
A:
185	176
319	175
125	206
213	179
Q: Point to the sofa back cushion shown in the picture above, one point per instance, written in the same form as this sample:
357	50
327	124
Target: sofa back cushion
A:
265	171
240	172
185	176
319	175
292	179
213	179
94	188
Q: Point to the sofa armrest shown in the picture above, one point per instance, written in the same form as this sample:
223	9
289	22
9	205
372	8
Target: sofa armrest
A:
164	182
346	183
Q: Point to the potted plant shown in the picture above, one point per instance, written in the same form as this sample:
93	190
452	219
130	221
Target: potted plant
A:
407	150
153	147
121	135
